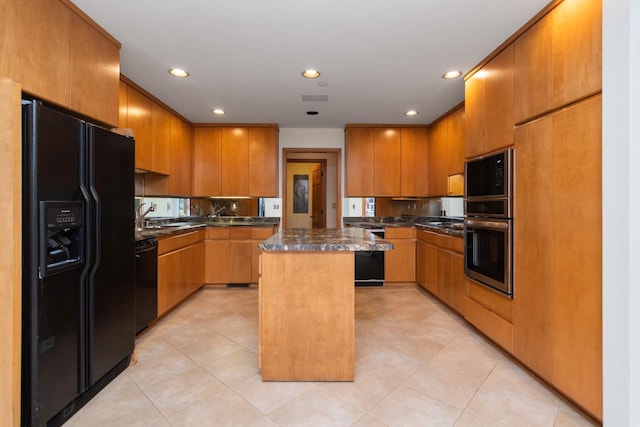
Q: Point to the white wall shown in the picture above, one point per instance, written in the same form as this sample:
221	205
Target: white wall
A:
621	210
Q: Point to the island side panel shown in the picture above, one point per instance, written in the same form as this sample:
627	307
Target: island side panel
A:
307	316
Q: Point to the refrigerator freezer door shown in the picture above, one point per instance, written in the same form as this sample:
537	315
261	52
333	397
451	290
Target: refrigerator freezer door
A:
112	279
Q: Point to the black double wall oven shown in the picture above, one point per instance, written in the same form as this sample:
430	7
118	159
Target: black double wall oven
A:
488	236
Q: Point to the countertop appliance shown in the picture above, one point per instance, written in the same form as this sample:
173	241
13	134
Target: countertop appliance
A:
78	262
369	265
488	227
146	295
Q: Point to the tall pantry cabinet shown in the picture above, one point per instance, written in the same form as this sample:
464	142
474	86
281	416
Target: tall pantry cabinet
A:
541	94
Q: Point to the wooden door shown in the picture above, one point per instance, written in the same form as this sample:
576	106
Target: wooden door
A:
181	158
235	162
438	159
94	73
455	141
207	159
500	101
160	138
414	162
217	260
139	119
400	263
421	271
558	250
475	99
489	105
240	261
386	164
359	162
263	162
431	268
318	217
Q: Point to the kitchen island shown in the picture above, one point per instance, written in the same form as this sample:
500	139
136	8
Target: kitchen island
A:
307	297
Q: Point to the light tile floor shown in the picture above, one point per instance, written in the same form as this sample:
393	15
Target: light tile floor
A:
417	364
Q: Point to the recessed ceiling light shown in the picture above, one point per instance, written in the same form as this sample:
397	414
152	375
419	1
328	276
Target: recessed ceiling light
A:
218	111
311	74
452	75
178	72
411	113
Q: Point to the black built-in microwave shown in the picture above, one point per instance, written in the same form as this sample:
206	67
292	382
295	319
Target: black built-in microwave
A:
488	185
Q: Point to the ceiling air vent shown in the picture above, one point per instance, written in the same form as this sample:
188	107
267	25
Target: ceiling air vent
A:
315	98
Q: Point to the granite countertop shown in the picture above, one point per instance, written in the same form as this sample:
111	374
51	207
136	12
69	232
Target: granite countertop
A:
451	226
325	240
166	226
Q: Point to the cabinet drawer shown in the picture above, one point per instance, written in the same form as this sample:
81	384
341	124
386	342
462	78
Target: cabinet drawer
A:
399	233
174	242
262	233
217	232
493	326
454	244
240	233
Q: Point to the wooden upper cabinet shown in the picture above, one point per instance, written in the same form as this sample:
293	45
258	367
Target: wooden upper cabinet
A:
386	161
533	71
577	50
559	59
235	158
438	159
35	47
160	139
414	158
181	158
122	110
359	162
139	119
455	141
386	164
235	161
57	54
489	105
207	157
263	162
94	72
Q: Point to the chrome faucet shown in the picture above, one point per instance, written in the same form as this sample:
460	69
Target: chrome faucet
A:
215	212
140	215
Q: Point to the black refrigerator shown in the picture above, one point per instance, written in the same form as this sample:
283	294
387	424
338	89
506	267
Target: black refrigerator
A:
78	261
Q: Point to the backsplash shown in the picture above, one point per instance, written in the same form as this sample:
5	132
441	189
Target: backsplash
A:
437	206
176	207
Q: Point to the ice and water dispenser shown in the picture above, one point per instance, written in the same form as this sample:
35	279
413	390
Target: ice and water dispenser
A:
61	231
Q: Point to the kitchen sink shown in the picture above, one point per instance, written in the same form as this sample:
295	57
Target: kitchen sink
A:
175	224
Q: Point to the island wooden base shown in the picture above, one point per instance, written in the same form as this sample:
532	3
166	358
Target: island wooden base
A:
307	316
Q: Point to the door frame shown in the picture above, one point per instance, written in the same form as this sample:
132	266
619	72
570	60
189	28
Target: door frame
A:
285	158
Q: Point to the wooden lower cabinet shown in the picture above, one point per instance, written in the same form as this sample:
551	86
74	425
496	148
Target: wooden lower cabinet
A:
440	267
306	316
232	253
400	263
180	268
490	313
451	279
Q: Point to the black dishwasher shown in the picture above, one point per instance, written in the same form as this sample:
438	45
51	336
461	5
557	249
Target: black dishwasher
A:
370	264
146	295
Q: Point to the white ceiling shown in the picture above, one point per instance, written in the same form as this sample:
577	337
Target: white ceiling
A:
378	58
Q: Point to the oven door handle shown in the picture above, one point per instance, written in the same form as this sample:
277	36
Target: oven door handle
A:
487	224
